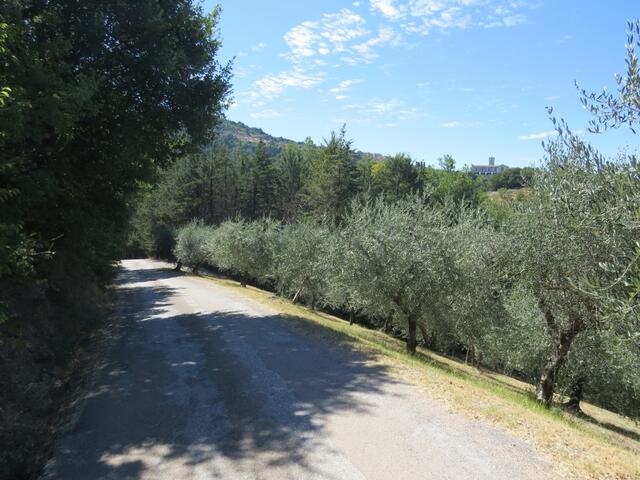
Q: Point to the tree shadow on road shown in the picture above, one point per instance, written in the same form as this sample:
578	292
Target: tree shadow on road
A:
222	391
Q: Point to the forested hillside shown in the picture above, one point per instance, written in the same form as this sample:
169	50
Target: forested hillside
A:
234	135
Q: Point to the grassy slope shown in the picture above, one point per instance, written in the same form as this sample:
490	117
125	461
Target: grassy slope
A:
599	445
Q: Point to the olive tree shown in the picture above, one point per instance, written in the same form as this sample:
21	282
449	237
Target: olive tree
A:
300	261
477	316
396	262
578	219
604	368
576	242
244	248
190	248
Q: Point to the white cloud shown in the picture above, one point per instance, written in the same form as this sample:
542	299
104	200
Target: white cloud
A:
507	21
349	60
393	108
420	16
388	106
457	124
302	38
539	136
343	33
386	35
272	85
266	114
330	34
386	7
315	45
344	85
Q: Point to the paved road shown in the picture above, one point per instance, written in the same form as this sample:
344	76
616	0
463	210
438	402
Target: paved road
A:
204	383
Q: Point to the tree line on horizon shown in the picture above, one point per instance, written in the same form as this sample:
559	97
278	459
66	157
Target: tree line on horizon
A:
302	181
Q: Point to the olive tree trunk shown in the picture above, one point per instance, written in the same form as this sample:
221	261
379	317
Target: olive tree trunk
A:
411	335
575	394
561	340
425	335
386	326
295	297
412	324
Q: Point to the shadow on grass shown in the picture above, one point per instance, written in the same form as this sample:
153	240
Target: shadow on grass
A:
483	378
210	391
609	426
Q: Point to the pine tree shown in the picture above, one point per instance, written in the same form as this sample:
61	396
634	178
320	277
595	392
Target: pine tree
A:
332	182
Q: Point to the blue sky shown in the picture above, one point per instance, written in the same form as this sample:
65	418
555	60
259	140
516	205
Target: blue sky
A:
470	78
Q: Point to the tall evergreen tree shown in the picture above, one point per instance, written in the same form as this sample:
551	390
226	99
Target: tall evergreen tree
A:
264	181
332	180
291	171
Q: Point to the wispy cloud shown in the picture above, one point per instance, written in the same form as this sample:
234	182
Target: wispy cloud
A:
420	16
339	90
330	34
386	36
273	85
266	114
393	108
387	8
548	134
315	45
457	124
344	37
539	136
507	21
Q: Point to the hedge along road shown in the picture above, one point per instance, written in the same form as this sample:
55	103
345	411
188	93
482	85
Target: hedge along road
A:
202	382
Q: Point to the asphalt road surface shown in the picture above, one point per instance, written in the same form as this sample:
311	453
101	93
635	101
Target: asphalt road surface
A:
204	383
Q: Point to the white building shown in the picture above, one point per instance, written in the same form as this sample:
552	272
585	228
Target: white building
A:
488	170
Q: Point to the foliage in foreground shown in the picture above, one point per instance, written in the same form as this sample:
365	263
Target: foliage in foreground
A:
94	97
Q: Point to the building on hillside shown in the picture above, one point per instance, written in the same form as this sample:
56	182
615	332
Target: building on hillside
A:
488	170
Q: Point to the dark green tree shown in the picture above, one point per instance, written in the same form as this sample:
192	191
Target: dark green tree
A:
455	185
291	170
101	94
263	183
395	177
332	178
511	178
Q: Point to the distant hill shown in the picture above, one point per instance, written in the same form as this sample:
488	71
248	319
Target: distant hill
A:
236	134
